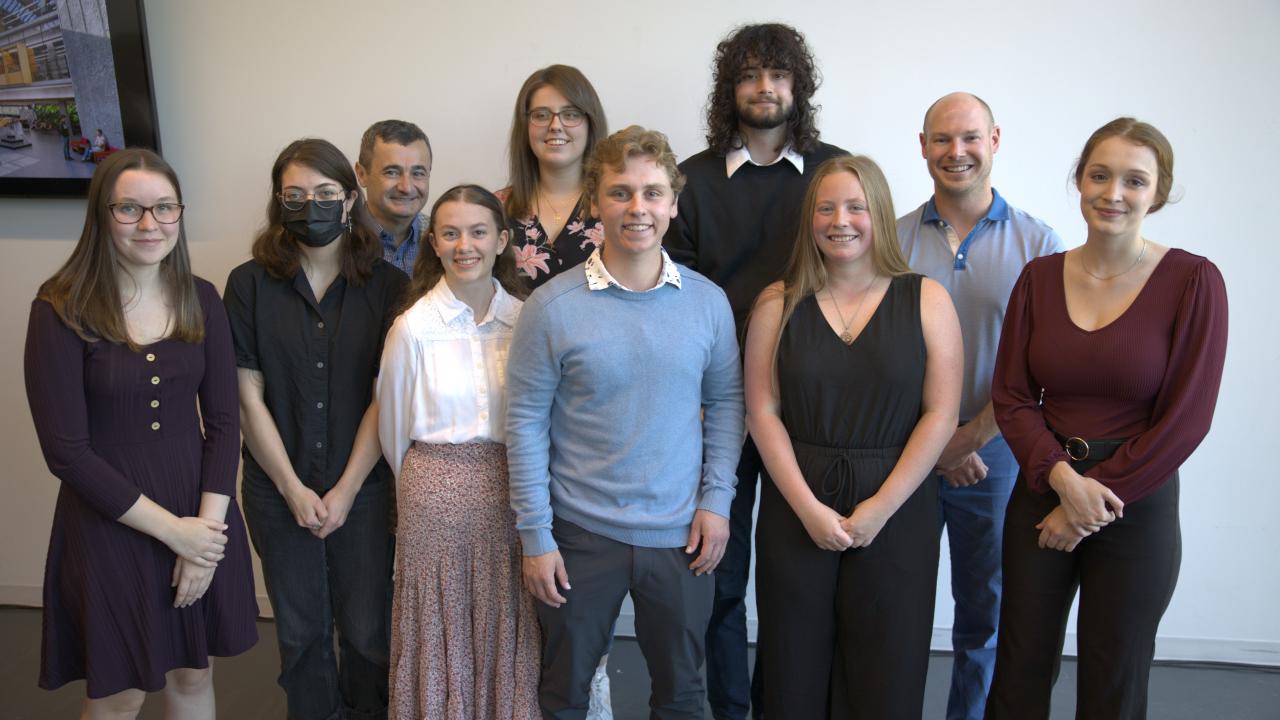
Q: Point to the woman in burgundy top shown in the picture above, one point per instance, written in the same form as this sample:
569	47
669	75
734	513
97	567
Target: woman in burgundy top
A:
131	379
1105	382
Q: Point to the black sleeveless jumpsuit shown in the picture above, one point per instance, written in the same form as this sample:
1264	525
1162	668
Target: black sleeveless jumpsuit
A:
846	635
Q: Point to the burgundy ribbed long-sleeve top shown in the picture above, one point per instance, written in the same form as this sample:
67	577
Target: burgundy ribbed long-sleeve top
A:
1150	376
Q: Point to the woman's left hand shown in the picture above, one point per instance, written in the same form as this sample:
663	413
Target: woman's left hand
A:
1057	532
866	521
338	503
191	581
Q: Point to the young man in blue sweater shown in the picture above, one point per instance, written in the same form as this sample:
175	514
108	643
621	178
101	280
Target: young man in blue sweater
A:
624	427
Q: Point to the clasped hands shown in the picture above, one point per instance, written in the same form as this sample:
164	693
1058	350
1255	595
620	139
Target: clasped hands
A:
199	543
321	516
1086	506
959	464
832	531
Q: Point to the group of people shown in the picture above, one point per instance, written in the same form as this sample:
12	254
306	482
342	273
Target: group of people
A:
525	405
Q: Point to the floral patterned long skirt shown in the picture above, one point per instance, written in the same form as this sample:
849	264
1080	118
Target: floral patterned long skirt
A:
465	638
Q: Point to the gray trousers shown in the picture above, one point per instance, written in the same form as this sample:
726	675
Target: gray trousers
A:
672	610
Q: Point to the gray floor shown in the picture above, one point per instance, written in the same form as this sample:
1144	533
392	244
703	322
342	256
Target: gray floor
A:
247	691
43	158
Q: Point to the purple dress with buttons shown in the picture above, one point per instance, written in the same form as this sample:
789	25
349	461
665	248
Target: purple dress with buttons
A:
113	425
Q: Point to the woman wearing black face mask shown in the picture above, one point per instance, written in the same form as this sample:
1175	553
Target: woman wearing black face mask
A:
308	315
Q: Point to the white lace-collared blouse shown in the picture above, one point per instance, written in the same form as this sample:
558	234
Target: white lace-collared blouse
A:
443	376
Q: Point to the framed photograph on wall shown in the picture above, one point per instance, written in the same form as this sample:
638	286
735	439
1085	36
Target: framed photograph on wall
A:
75	86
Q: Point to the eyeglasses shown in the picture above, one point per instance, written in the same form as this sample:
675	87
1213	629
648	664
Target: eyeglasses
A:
324	197
569	117
131	213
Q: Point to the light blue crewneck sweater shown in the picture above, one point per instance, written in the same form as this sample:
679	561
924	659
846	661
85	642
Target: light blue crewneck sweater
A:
605	396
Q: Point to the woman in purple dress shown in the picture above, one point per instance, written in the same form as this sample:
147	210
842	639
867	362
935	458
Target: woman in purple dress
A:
131	379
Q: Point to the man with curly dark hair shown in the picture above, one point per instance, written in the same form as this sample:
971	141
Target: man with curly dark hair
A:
737	222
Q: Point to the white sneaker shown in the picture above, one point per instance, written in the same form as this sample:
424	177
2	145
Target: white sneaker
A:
600	707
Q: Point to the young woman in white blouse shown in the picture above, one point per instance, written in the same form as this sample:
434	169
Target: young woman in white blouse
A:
464	635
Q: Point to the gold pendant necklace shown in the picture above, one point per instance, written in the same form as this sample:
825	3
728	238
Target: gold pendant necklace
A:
555	212
845	335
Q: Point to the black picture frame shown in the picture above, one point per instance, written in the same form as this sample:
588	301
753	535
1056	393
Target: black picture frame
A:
128	29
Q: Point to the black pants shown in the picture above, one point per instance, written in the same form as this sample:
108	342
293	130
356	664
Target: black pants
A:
1126	575
731	687
317	587
846	635
672	607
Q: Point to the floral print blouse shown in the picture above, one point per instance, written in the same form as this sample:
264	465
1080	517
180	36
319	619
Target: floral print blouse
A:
540	258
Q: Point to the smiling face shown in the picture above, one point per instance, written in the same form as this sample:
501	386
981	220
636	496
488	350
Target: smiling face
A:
554	145
635	205
842	220
959	142
1118	187
397	181
144	244
467	241
763	97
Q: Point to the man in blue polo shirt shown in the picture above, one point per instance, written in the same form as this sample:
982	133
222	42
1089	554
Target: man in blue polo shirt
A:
394	168
974	243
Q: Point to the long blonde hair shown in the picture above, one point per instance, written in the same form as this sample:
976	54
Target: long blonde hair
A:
806	272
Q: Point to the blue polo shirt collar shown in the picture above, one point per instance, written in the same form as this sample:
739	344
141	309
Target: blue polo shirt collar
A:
998	212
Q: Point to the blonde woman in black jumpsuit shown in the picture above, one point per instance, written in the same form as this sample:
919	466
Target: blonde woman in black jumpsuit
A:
852	378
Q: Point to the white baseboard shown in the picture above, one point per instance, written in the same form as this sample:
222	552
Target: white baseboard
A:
1176	649
22	595
1243	652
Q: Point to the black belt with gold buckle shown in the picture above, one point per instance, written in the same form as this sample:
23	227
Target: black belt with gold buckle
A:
1079	449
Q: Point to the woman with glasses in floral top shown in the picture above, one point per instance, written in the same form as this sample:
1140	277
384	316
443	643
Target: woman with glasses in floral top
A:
557	121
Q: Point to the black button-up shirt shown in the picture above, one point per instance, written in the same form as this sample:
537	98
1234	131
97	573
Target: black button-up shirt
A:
318	360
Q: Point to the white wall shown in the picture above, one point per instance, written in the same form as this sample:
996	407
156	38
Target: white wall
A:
237	80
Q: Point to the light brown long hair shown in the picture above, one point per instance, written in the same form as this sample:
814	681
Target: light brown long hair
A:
277	251
428	269
575	87
85	291
806	272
